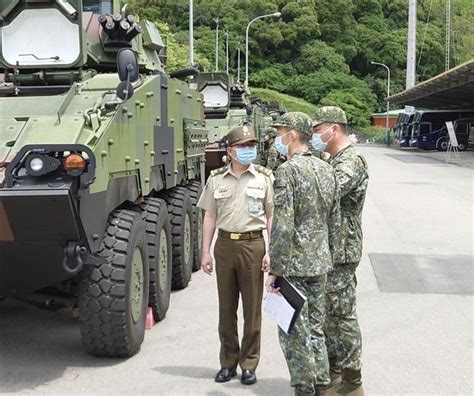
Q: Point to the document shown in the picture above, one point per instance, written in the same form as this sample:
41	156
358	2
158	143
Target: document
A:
279	310
285	306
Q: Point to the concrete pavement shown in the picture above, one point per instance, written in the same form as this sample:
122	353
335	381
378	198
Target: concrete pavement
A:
415	342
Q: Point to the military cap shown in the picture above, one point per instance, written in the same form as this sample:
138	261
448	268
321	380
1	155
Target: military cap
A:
331	114
271	132
296	120
241	134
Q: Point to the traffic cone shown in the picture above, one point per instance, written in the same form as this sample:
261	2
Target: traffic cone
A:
150	320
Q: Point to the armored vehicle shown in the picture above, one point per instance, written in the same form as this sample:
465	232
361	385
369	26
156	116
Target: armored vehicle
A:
226	105
101	163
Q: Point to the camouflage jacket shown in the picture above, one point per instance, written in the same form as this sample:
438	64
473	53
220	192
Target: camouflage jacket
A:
273	158
322	155
352	176
306	219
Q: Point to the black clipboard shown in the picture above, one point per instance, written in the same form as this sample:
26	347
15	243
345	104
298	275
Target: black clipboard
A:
294	297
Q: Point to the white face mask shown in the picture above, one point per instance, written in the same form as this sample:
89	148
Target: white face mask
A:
317	141
282	148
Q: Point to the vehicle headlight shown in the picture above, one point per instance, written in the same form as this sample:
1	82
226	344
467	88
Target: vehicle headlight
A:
36	164
41	164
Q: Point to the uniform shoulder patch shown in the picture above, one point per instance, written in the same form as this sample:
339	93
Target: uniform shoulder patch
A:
218	171
265	171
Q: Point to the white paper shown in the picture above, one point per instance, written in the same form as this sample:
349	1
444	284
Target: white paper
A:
279	310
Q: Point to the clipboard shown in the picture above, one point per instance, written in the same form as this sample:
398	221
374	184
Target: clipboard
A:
293	296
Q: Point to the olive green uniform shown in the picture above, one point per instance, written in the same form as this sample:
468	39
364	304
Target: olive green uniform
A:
242	205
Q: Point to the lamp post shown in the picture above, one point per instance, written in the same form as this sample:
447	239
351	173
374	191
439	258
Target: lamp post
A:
217	44
277	15
227	50
238	61
387	137
191	33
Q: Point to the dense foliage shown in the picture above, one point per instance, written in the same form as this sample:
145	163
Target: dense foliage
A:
319	50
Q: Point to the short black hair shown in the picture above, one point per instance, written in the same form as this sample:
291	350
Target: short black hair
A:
302	137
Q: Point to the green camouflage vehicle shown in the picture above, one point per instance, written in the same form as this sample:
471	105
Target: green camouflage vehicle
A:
226	106
101	163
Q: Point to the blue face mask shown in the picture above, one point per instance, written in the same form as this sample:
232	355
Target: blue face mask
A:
246	155
281	148
317	141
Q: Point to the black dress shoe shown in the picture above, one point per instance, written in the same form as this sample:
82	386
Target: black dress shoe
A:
225	374
248	377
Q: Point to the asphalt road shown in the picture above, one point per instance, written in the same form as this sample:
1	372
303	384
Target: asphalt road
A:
416	317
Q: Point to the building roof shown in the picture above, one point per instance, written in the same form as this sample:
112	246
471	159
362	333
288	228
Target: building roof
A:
391	113
453	89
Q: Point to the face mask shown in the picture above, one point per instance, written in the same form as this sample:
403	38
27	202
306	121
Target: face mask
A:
317	141
281	148
246	155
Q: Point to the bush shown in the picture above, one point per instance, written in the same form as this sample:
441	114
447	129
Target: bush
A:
374	134
291	103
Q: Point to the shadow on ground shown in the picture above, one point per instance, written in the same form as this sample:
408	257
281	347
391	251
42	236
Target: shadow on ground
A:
264	386
38	346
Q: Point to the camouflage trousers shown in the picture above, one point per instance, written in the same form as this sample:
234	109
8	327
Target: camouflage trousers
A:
304	348
343	338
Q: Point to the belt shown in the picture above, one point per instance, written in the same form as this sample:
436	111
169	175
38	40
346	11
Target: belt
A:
239	236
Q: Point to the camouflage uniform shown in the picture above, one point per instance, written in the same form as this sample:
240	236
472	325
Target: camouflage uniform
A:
271	158
301	249
343	338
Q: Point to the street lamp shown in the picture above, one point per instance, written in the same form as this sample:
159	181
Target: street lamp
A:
217	43
387	137
277	15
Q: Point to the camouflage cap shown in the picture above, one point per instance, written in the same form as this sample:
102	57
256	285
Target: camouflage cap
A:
241	134
271	132
297	120
331	114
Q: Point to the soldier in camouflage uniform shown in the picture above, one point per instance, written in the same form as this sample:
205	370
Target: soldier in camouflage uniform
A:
306	225
271	157
343	338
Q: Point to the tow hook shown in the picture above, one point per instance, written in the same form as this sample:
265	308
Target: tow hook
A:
73	262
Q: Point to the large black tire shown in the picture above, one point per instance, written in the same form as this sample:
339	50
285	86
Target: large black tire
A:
158	233
442	144
180	209
111	316
195	188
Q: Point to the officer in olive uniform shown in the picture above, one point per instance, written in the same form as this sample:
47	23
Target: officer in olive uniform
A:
343	337
304	235
238	200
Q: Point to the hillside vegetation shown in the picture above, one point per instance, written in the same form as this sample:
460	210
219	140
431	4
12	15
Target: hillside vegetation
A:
319	50
290	102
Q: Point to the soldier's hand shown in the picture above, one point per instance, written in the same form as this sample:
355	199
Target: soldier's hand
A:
270	284
206	263
266	263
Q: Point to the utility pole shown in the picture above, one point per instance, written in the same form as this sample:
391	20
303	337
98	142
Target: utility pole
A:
191	33
217	44
238	61
227	50
411	50
448	34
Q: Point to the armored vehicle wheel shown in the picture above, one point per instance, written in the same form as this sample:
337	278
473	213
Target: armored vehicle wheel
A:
180	209
195	189
113	296
158	233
